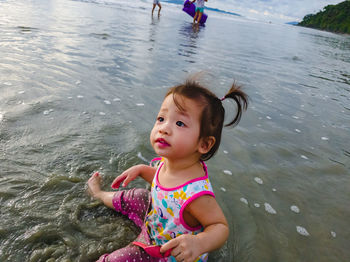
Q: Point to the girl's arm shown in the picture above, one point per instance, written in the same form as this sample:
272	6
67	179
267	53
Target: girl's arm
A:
209	214
144	171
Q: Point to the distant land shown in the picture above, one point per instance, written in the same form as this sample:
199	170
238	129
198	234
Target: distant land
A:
292	23
333	18
222	11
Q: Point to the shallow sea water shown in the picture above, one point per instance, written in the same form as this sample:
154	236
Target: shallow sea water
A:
81	83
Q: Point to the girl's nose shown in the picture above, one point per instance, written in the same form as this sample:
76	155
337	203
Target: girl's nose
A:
165	129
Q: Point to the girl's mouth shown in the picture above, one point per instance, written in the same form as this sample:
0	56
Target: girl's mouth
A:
162	142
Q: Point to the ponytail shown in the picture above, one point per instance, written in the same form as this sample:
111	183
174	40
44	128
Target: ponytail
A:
241	100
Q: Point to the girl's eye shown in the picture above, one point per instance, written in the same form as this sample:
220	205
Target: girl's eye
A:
180	123
160	119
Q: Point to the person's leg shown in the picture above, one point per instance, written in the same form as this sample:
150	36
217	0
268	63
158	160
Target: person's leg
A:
154	6
128	253
195	16
133	203
199	17
160	7
94	189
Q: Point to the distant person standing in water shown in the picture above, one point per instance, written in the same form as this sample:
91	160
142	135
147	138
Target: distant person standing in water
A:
156	2
199	10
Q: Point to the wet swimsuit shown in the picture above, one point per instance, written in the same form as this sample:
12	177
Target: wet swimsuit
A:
164	221
200	6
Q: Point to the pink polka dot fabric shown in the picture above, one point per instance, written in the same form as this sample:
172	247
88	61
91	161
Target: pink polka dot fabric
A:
134	204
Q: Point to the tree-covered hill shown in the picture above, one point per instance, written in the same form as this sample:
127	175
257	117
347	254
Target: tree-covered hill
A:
334	18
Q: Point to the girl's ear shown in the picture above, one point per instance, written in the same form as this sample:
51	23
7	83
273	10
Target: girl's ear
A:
206	144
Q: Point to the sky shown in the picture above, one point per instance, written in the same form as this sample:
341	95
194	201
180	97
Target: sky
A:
272	10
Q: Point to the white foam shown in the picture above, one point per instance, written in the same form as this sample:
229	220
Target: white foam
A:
295	117
70	97
295	209
116	99
223	189
304	157
225	152
21	92
325	138
102	113
7	83
227	172
107	102
140	104
46	112
269	209
78	82
268	117
333	234
258	180
297	130
139	155
1	117
256	204
245	201
80	96
302	231
274	189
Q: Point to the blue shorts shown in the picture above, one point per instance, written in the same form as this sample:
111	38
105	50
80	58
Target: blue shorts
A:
200	9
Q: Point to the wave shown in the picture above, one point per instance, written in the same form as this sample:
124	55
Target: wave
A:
180	2
176	2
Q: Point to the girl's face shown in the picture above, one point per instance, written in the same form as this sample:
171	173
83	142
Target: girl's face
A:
175	134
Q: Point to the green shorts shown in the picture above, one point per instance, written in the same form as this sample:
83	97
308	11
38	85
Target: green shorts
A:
200	9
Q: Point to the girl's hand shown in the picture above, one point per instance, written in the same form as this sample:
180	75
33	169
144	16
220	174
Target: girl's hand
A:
126	177
185	248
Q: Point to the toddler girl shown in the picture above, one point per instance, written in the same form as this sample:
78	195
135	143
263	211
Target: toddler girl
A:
180	219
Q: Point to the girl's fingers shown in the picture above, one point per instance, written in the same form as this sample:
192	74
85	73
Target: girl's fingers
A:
172	244
127	180
116	182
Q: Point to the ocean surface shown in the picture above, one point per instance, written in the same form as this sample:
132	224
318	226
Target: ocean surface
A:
81	83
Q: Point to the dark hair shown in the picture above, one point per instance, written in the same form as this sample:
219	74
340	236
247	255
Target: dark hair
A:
213	114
